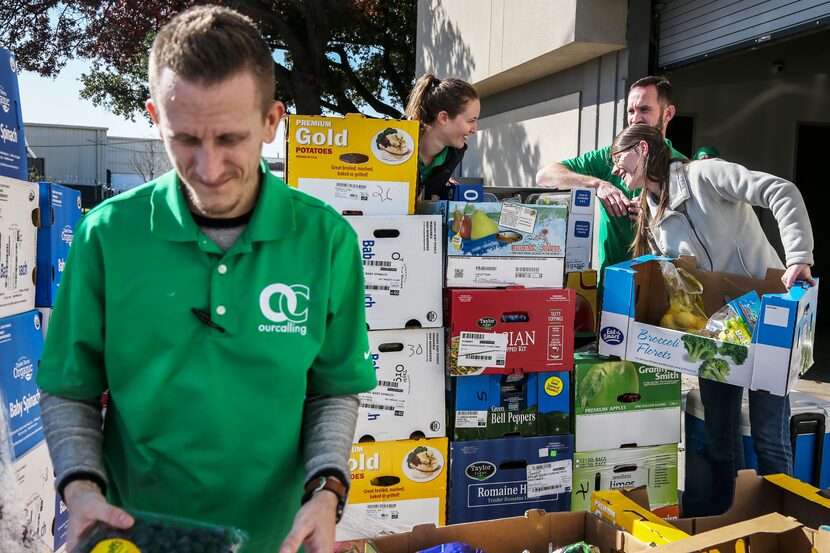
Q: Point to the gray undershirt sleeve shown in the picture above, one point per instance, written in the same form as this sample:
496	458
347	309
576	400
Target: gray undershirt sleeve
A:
74	436
328	433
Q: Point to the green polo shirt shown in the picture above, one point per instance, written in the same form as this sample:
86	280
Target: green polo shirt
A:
207	424
615	233
425	170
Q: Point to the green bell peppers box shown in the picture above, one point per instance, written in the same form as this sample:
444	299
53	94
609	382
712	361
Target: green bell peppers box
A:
624	404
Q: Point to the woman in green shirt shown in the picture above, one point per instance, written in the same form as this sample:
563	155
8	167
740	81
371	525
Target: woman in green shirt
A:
448	110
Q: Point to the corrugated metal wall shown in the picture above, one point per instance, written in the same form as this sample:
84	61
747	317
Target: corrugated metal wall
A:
73	155
691	30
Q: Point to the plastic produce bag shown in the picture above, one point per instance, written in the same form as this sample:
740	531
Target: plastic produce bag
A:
154	533
685	312
452	547
735	321
580	547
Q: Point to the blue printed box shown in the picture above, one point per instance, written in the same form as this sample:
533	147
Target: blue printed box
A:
12	143
492	479
497	405
782	343
60	211
21	344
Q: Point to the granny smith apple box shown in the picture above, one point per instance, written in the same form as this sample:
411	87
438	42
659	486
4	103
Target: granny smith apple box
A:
402	270
356	164
781	349
409	397
504	243
60	211
492	479
398	484
609	469
497	405
624	404
513	330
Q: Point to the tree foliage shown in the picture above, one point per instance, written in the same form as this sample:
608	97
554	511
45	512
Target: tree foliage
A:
339	56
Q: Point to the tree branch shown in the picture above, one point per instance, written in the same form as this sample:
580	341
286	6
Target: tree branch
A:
358	86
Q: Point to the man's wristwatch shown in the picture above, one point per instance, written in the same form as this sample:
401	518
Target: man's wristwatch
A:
330	483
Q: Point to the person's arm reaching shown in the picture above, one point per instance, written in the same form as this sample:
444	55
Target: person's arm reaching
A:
75	439
328	432
557	175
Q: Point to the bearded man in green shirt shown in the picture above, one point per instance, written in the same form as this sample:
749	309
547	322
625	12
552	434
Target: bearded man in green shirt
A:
223	311
649	102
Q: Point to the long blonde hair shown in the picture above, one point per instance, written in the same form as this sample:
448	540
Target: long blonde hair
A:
657	170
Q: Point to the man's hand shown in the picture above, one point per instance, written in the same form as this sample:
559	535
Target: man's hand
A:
313	525
86	505
616	203
798	271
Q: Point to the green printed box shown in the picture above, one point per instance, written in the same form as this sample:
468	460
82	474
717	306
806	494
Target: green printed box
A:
624	404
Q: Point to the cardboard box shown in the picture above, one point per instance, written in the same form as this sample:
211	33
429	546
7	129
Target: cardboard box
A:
388	489
500	478
624	513
36	485
535	532
409	398
508	331
496	405
624	404
609	469
21	345
402	270
340	161
782	344
580	234
494	272
19	219
13	161
584	283
60	209
772	533
506	229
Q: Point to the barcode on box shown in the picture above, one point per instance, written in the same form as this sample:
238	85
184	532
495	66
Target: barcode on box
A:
529	269
374	287
528	275
375	263
391	386
459	273
376	406
473	335
479	357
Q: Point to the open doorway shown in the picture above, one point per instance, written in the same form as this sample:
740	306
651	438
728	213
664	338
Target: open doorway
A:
810	175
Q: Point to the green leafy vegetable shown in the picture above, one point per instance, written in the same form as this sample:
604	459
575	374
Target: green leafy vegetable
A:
714	369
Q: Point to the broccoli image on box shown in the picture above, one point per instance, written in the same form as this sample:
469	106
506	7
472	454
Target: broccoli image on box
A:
699	347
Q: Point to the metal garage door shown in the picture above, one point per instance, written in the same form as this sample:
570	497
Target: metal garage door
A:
691	30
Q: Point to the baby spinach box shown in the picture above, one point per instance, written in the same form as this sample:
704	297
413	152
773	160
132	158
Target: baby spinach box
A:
623	403
492	479
527	404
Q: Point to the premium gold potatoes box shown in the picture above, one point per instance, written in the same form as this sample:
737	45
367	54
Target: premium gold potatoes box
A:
358	165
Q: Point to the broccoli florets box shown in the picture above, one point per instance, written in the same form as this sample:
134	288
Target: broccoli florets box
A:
781	350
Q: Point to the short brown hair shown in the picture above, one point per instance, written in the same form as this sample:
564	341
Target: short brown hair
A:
431	95
662	84
208	44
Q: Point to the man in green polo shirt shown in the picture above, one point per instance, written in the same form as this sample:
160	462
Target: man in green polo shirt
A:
650	102
223	311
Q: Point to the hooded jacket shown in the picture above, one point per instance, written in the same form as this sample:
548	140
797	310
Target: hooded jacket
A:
710	216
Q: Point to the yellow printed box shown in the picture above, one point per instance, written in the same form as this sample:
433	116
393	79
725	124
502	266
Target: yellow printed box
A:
395	486
356	164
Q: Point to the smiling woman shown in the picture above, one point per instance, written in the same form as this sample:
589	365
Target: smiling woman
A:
448	110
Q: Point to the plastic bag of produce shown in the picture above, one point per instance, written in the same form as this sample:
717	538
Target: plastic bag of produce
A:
580	547
154	533
735	321
685	292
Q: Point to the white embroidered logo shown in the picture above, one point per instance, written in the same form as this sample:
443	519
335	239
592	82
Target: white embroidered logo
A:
289	309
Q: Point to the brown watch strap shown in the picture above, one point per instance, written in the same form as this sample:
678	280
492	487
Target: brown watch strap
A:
333	484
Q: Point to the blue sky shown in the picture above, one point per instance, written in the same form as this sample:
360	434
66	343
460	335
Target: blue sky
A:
56	101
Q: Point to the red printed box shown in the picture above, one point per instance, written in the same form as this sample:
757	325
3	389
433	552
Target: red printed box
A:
498	331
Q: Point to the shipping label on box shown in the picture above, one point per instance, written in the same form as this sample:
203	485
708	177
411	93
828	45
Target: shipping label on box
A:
622	403
13	161
21	345
492	272
495	406
609	469
401	481
19	216
355	164
409	397
580	232
36	486
506	477
60	210
506	229
509	331
402	270
782	344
